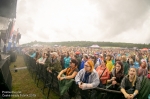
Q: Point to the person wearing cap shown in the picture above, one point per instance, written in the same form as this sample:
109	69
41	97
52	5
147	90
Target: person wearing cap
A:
54	64
87	78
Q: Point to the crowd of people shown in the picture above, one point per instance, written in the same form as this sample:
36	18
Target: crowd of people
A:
114	69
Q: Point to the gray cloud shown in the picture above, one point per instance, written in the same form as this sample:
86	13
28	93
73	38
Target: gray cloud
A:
121	15
101	20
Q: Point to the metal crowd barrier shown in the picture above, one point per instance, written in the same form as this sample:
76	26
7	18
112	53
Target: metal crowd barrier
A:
50	81
41	74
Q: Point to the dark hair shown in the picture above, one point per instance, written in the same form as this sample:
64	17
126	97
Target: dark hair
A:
74	61
68	54
86	56
109	56
47	53
104	61
120	73
92	57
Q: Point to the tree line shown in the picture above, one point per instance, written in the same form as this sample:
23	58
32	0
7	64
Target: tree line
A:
89	43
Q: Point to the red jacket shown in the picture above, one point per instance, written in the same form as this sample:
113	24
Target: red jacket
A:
105	75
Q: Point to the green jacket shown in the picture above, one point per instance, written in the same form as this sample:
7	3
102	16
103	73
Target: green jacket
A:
64	85
125	67
55	65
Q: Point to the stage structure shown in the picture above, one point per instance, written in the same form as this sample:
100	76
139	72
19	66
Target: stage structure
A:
7	20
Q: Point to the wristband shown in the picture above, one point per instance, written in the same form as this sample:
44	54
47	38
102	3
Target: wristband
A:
134	94
64	77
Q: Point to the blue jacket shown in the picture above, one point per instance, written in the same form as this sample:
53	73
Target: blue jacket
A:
82	65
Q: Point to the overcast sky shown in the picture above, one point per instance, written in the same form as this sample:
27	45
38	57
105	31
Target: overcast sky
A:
84	20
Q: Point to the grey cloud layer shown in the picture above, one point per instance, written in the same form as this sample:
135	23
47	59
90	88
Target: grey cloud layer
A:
121	15
116	19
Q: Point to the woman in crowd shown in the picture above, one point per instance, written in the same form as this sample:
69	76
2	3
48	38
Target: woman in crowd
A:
116	76
67	75
142	70
42	59
130	84
103	73
87	78
109	64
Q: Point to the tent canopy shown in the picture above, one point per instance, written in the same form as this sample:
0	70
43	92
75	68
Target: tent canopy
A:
95	46
144	49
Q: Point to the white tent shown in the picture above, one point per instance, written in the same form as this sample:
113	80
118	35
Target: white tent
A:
55	45
95	46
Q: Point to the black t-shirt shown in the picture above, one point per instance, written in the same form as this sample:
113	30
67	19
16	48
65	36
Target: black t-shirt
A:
118	78
126	84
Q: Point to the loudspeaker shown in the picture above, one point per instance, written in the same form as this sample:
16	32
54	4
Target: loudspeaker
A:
13	56
4	35
5	77
8	8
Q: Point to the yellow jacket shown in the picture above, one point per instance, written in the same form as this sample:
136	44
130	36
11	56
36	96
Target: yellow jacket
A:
110	65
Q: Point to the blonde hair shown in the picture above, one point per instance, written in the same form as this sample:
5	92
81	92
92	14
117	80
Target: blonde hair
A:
124	59
135	77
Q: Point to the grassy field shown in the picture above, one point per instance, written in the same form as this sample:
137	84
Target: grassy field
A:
23	83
